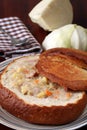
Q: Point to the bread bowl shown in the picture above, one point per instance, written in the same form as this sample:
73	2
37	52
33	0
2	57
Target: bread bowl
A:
55	106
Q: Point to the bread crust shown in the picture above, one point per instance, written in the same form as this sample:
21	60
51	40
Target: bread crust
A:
53	115
39	114
65	66
81	55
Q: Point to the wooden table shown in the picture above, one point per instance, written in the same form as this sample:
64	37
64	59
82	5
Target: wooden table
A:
21	8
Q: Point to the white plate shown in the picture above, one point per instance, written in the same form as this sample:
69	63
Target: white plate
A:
18	124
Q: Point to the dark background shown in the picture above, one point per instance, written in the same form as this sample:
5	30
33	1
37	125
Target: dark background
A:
21	8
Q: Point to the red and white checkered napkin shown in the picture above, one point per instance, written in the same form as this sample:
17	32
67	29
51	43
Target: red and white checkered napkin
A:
15	28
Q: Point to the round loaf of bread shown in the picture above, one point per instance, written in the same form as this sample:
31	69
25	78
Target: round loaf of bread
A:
32	97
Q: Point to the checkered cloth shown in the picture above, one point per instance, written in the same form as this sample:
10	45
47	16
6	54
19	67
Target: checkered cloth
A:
15	28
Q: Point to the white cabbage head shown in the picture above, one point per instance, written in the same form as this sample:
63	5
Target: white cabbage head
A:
68	36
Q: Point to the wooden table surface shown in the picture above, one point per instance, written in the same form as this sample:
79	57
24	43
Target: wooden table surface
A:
21	8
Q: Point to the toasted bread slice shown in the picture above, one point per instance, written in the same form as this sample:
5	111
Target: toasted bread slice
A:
67	67
33	98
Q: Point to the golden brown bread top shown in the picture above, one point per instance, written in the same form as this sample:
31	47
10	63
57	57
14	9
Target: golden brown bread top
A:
67	67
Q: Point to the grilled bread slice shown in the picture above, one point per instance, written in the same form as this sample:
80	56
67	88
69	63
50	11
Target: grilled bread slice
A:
32	97
67	67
